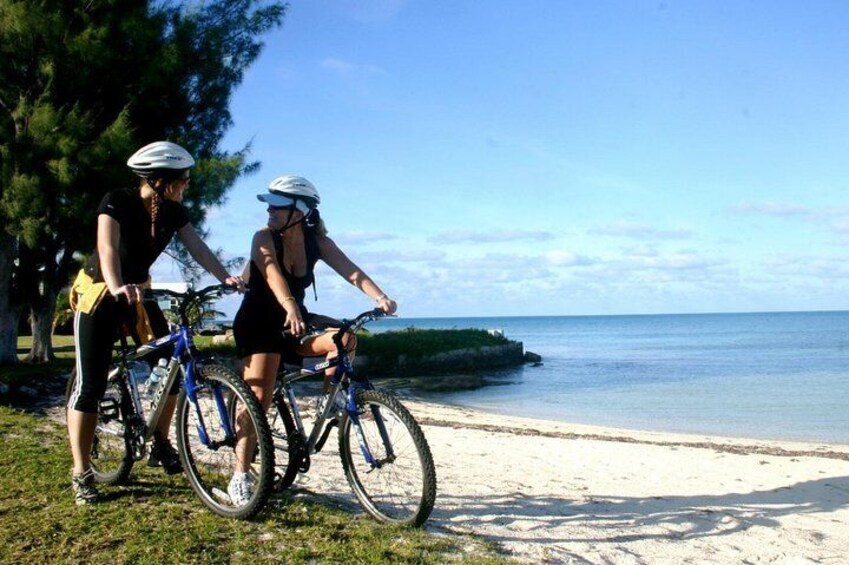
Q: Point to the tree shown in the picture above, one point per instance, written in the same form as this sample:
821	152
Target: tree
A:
81	86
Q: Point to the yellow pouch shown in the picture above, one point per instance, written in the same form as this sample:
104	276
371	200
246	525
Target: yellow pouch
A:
143	327
86	294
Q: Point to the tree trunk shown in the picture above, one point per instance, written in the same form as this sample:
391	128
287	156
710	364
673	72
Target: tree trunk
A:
8	309
42	311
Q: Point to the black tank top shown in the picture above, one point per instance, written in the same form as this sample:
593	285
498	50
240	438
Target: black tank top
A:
259	297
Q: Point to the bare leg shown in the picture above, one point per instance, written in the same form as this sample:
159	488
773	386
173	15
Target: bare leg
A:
164	424
81	426
260	374
323	345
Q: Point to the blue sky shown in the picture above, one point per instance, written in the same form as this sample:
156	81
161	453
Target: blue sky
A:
559	158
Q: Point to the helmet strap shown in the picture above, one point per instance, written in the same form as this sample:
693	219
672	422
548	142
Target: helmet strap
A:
289	223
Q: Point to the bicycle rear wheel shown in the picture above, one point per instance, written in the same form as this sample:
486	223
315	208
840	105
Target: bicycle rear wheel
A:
207	443
288	444
400	487
111	454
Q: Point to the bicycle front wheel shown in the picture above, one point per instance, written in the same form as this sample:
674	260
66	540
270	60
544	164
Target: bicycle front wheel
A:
111	454
399	484
206	440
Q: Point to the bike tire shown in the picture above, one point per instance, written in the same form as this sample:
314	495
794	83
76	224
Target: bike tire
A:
288	451
209	469
401	490
111	451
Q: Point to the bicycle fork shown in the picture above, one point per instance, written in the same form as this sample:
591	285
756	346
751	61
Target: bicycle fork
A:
227	425
384	436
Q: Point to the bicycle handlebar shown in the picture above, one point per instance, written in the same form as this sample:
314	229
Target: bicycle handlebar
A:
187	298
361	320
345	326
192	294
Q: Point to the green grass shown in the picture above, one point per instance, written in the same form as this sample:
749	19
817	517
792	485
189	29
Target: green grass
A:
158	519
63	346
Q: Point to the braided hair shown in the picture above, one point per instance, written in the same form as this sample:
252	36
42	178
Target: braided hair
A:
159	183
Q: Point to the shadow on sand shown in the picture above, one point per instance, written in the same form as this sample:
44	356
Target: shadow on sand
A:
673	517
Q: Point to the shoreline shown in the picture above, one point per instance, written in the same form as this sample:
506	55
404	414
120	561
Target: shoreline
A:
603	430
459	416
553	492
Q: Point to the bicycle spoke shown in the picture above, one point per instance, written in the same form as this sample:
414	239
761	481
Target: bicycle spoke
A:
400	488
207	443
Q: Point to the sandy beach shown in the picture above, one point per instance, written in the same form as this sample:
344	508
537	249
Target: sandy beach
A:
549	492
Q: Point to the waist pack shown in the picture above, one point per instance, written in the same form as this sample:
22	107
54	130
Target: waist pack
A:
86	295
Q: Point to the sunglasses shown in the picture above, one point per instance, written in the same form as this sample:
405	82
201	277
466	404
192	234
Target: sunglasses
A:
279	208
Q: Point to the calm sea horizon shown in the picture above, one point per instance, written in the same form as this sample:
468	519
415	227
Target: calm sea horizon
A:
771	375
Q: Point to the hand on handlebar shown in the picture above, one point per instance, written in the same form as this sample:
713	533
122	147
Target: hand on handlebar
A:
236	282
132	293
386	304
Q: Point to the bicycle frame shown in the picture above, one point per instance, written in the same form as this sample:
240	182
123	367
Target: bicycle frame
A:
344	374
184	360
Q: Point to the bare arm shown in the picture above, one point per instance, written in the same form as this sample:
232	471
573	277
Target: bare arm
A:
108	238
204	255
339	262
262	253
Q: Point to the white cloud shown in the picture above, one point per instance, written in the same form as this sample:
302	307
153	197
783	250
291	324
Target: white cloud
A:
363	236
400	256
493	236
780	209
567	259
638	231
673	261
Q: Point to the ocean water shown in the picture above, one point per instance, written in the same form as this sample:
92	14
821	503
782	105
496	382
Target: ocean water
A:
763	375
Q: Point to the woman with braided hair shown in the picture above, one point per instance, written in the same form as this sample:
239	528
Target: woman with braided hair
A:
134	225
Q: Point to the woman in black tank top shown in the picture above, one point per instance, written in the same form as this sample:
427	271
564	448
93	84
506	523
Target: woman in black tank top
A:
283	256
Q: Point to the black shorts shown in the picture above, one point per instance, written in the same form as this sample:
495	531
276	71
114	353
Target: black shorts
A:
258	332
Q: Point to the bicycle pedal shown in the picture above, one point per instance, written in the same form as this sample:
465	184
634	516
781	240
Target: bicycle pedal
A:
109	408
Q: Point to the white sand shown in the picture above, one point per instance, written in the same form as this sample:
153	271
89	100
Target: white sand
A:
560	493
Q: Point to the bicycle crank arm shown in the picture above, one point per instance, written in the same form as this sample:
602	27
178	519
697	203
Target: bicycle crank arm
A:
330	425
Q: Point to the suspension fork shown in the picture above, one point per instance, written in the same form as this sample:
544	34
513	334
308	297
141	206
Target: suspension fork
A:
358	428
220	405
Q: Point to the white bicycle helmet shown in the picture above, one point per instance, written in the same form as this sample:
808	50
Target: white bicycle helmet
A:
291	190
160	156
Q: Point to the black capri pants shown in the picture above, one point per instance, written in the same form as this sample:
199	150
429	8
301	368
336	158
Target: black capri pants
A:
94	337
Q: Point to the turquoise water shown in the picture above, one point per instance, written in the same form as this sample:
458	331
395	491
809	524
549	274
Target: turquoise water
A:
770	375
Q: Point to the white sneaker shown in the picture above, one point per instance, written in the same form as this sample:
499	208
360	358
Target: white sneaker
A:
241	488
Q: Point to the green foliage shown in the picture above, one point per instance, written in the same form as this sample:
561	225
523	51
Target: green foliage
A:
388	346
82	85
416	343
158	519
64	314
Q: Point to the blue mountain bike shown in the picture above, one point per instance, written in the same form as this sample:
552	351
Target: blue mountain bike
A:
384	453
210	398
